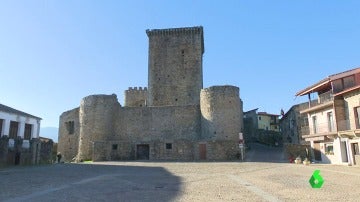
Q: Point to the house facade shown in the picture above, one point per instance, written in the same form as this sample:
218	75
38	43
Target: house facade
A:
19	137
334	129
268	121
261	127
294	125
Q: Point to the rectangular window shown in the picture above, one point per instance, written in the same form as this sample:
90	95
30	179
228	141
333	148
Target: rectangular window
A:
168	145
329	149
357	115
259	117
114	147
14	126
27	132
1	126
349	81
314	121
70	126
330	122
356	149
337	85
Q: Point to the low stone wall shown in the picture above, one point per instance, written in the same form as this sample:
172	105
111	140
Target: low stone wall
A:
182	150
19	153
222	150
295	150
46	156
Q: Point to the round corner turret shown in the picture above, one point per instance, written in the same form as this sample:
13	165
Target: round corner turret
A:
221	111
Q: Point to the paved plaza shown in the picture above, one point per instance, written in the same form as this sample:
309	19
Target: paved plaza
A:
178	181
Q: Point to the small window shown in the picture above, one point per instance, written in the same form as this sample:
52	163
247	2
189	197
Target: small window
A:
329	149
27	131
357	116
356	149
114	147
14	127
168	145
70	126
259	117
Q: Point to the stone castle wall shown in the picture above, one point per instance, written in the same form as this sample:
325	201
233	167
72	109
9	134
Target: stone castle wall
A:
102	124
175	66
221	111
69	140
172	120
155	126
158	123
136	97
96	118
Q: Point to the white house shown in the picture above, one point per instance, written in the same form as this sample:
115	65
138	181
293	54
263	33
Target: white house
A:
19	137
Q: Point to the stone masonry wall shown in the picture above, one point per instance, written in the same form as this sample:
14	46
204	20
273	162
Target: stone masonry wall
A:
221	111
135	97
222	150
19	154
158	123
175	66
69	142
96	118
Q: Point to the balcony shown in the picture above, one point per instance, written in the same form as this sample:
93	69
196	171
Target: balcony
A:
324	100
348	129
325	97
315	106
320	130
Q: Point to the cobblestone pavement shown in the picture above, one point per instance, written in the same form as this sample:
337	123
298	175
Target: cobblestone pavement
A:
178	181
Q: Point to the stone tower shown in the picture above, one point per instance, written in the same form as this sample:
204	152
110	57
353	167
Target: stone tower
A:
221	110
175	66
135	97
96	118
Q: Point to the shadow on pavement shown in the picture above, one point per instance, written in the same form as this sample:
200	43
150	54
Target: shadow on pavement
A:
88	182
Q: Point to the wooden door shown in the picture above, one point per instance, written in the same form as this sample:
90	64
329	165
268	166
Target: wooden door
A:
317	152
142	152
202	151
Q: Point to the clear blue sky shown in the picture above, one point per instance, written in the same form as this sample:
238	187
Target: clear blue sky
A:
53	53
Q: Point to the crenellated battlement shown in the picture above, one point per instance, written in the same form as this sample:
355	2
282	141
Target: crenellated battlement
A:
136	90
171	31
135	97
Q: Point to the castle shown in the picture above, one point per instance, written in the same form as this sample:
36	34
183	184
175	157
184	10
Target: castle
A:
173	118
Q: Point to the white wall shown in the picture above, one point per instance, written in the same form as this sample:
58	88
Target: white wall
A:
7	117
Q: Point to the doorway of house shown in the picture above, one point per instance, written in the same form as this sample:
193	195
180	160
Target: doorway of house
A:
356	152
17	158
344	154
202	151
317	152
142	152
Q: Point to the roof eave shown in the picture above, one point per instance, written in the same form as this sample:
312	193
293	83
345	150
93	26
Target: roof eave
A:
313	88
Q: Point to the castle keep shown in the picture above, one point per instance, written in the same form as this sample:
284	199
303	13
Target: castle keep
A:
173	118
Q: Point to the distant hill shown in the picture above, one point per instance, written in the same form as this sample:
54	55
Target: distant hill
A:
49	132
